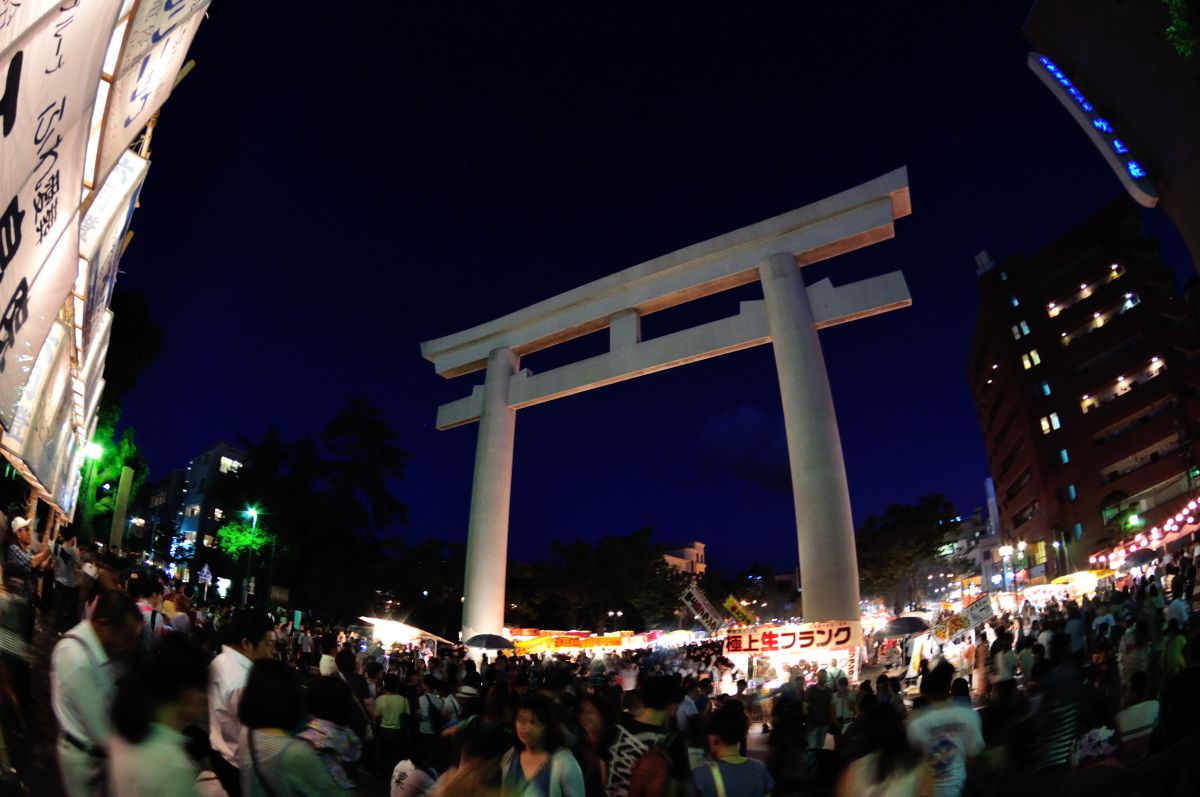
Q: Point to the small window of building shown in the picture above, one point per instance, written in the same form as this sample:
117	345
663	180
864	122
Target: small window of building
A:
192	510
1071	492
1054	422
1045	388
1026	362
230	465
1045	425
1033	355
1024	328
1014	301
1078	531
218	513
1063	456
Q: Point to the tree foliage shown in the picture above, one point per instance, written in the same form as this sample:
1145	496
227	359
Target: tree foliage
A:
1183	31
329	498
239	536
891	545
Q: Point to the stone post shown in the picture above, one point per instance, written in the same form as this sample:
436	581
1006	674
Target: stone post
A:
487	532
824	526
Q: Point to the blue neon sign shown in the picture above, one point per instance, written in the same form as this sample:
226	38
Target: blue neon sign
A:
1099	124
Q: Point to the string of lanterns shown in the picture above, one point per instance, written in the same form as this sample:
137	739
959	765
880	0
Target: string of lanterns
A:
1186	516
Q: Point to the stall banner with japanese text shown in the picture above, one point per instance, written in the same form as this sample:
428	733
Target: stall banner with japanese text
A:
977	612
796	638
156	44
980	611
698	604
102	233
738	611
48	80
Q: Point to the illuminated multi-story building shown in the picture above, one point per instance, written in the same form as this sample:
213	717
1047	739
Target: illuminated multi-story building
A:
687	558
203	506
1083	372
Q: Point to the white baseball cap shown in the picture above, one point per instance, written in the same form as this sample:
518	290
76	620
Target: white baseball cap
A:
19	523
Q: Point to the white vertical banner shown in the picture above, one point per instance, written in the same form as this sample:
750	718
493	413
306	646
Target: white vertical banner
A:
18	16
101	234
156	43
48	79
52	413
17	436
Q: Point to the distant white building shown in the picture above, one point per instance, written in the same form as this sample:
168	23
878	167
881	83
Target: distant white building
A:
687	558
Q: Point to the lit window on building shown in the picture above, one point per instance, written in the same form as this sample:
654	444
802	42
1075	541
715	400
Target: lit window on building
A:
1078	531
192	510
1045	388
230	465
1024	328
1045	425
1054	422
209	541
1063	456
218	513
1071	492
1014	301
1131	301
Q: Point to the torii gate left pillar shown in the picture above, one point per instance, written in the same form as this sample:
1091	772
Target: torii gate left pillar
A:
789	316
487	531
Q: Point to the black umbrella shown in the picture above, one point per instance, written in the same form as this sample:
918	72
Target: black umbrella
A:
490	642
1142	556
903	626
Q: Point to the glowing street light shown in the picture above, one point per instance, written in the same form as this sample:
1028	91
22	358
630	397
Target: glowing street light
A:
94	451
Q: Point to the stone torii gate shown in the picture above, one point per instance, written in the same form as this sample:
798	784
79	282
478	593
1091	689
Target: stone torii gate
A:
788	316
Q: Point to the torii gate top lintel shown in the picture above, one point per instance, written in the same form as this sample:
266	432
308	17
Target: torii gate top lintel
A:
850	220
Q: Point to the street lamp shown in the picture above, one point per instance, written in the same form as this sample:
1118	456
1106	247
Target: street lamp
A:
252	513
93	452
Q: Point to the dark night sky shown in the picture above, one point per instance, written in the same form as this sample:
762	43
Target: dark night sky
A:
329	189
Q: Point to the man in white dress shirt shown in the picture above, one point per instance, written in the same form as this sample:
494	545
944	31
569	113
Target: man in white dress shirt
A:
251	637
82	686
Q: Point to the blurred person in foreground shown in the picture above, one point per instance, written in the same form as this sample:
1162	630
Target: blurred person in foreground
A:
540	764
274	763
948	733
83	675
154	703
887	765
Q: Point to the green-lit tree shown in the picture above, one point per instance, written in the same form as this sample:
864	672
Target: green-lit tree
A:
241	537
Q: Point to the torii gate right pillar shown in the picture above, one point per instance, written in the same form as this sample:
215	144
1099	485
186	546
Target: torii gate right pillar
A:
824	525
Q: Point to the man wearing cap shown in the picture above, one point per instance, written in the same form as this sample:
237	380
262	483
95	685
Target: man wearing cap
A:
22	561
82	687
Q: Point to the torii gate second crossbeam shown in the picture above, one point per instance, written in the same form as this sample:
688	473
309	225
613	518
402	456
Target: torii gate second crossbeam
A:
788	316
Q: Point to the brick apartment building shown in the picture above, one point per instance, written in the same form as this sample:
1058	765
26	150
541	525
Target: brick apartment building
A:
1083	372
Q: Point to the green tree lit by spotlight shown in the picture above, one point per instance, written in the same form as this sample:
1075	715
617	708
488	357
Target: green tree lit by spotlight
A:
241	535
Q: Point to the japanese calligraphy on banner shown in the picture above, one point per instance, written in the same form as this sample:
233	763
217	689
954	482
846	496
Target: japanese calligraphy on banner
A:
734	606
48	79
18	16
156	44
796	638
697	603
102	232
32	307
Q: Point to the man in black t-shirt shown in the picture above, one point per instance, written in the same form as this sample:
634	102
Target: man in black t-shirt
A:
647	754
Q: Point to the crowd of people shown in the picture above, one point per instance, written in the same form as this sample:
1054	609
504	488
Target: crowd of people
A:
156	693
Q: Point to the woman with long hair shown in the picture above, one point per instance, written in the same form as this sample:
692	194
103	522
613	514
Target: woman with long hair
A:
166	693
888	766
274	763
539	764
